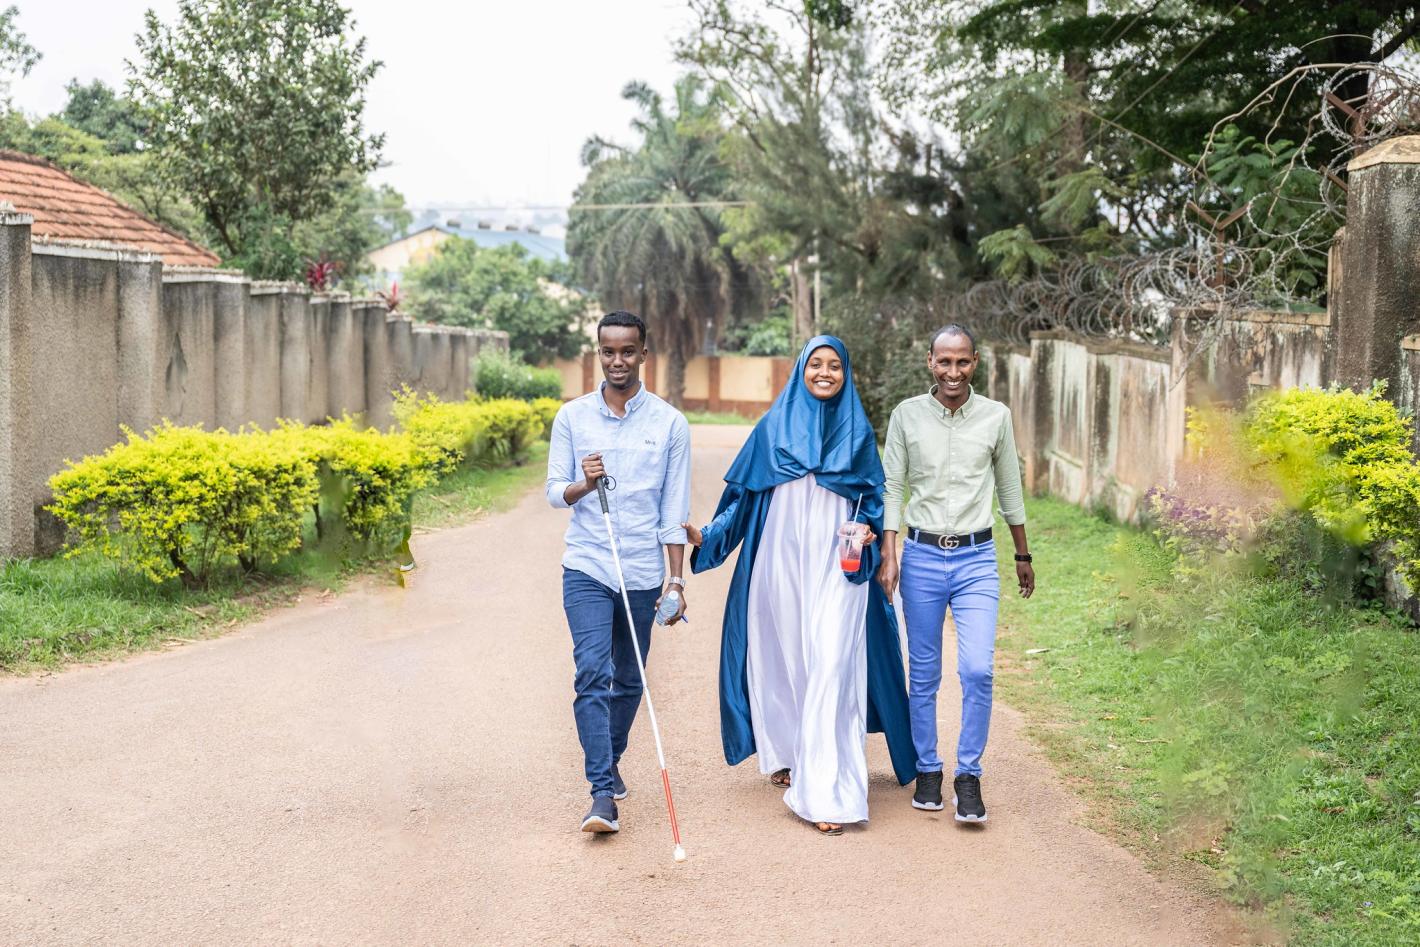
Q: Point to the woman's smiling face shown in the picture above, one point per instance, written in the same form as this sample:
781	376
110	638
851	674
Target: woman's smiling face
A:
823	375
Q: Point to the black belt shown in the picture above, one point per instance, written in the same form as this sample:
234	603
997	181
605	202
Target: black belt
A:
949	542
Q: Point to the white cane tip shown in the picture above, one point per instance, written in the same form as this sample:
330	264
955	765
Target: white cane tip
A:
679	854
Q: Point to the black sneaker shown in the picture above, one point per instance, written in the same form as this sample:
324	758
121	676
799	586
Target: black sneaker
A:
929	792
601	817
970	808
618	785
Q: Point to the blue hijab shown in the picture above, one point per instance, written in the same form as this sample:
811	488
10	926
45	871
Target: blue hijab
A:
831	439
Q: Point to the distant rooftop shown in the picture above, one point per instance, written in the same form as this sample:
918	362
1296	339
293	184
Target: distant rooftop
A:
66	209
537	244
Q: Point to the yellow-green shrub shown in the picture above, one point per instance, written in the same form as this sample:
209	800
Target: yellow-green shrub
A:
368	477
1344	457
179	501
512	426
449	433
454	433
547	409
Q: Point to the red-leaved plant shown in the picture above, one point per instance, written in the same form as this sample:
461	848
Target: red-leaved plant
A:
391	297
321	274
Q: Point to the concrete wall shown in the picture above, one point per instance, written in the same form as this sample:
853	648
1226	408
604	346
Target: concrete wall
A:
93	338
263	332
1262	351
189	351
1409	393
345	358
1101	422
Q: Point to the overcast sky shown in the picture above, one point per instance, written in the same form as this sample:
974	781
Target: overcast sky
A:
483	102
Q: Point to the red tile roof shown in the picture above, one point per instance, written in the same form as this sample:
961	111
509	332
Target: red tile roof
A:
67	209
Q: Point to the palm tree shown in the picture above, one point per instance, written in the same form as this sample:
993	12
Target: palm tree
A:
663	261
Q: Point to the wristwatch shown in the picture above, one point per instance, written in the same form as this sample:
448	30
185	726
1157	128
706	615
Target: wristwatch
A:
1023	557
676	580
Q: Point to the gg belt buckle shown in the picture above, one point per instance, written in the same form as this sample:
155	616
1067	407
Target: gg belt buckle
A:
948	542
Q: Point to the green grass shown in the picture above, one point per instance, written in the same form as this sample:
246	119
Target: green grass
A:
55	611
469	493
718	417
1227	718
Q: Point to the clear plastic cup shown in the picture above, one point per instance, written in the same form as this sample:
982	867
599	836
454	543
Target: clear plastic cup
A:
850	545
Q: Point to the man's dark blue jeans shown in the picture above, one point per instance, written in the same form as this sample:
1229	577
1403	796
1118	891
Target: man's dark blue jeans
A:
608	682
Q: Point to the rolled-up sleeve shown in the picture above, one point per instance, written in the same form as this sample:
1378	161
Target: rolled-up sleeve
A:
561	464
675	491
1007	468
895	469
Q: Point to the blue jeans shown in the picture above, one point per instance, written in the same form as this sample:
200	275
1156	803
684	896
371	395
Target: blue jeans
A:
966	581
608	683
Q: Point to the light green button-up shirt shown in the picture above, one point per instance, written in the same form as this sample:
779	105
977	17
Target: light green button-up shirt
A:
949	461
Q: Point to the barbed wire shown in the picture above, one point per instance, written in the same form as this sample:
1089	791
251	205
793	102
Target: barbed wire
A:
1231	258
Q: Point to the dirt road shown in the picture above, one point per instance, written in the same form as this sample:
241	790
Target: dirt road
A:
400	766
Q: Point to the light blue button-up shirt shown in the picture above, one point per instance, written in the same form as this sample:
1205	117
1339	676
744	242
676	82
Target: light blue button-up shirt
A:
647	454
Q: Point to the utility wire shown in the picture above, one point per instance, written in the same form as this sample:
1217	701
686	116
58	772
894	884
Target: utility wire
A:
657	205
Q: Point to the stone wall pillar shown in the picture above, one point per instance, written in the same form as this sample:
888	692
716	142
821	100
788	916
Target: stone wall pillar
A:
346	358
1380	265
400	331
318	382
459	382
189	350
263	352
16	405
142	356
379	371
234	368
1040	410
295	353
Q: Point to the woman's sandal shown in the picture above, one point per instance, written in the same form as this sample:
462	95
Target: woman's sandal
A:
828	828
780	778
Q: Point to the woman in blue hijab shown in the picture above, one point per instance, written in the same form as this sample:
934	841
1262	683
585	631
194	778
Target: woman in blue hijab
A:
809	659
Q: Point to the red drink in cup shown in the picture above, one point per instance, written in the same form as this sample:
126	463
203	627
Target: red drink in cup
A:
850	545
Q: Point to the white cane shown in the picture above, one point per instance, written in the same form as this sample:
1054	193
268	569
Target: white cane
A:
641	666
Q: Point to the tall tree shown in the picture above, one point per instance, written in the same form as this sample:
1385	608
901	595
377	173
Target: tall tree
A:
463	284
830	176
17	56
1104	104
256	108
100	111
654	246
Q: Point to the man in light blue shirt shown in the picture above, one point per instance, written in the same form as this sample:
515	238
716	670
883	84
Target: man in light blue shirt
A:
642	445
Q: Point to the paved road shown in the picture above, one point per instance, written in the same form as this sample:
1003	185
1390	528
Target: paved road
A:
400	766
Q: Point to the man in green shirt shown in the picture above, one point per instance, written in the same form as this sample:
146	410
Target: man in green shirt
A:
949	450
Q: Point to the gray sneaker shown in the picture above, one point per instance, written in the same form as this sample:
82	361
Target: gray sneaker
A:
618	785
601	817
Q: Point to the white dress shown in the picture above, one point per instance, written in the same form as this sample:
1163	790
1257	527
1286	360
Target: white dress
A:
806	659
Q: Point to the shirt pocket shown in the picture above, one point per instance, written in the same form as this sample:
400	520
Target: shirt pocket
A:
638	472
970	457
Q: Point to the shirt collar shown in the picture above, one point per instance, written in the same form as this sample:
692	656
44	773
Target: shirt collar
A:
966	408
636	401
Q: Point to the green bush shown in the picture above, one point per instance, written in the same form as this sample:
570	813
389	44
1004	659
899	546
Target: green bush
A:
500	376
179	501
512	426
368	478
449	433
454	434
547	409
1343	457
